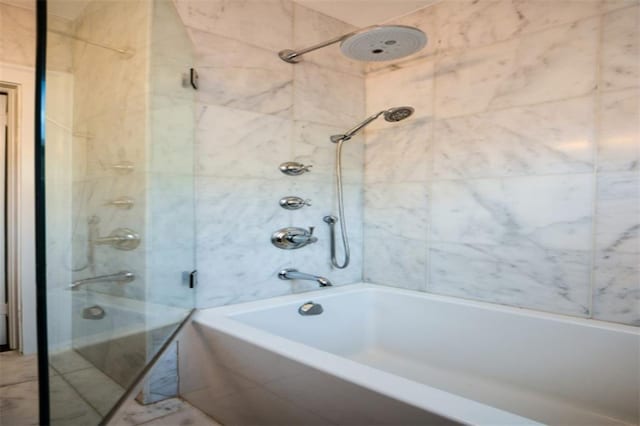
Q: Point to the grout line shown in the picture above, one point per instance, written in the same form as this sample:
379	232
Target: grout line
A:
77	392
431	167
596	143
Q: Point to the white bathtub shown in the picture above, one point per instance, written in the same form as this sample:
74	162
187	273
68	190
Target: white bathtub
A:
379	355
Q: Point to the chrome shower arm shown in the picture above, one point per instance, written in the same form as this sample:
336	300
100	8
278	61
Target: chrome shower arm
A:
292	56
362	125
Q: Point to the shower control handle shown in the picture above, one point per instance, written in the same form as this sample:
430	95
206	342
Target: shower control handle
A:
293	238
293	168
293	203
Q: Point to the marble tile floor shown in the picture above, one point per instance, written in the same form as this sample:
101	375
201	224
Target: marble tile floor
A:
72	376
170	412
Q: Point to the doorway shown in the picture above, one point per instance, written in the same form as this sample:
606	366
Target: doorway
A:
10	291
4	289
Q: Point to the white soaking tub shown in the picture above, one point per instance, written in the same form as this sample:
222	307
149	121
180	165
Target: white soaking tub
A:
379	355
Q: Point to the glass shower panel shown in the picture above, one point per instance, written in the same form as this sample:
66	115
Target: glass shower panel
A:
120	201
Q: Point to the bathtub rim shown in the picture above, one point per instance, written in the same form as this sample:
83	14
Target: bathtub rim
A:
281	301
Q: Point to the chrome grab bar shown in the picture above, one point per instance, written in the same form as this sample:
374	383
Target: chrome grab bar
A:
121	239
121	277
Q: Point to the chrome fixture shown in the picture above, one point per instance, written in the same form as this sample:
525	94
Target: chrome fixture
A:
293	168
375	43
293	238
392	115
294	274
92	234
121	239
293	203
94	312
121	277
123	167
310	308
125	203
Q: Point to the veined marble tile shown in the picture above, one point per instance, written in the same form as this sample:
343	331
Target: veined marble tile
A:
162	382
397	210
310	28
618	213
312	145
242	76
123	24
411	86
172	135
393	261
224	205
68	407
188	416
18	42
115	137
166	268
264	23
472	23
323	202
68	361
609	5
230	142
234	273
619	140
616	293
548	212
621	49
17	368
135	413
424	19
315	258
330	97
400	153
554	137
19	404
170	218
553	64
529	276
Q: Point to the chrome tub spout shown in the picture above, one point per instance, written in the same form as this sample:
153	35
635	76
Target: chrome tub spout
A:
294	274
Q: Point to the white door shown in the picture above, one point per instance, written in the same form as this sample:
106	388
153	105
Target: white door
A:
3	198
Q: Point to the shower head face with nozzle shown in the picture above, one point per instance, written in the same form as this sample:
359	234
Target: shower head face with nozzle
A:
398	114
383	43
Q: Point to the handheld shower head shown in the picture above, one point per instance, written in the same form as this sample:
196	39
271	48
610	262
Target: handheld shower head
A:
398	114
392	115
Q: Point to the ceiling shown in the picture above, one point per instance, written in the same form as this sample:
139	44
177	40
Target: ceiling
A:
362	13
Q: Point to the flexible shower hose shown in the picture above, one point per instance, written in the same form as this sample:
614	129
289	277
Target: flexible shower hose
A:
343	224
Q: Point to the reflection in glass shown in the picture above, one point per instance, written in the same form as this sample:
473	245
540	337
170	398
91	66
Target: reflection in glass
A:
119	154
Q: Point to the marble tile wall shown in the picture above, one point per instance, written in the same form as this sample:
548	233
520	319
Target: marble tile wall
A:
254	112
517	181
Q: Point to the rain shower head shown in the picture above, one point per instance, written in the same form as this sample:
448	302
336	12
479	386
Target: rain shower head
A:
392	115
376	43
383	43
